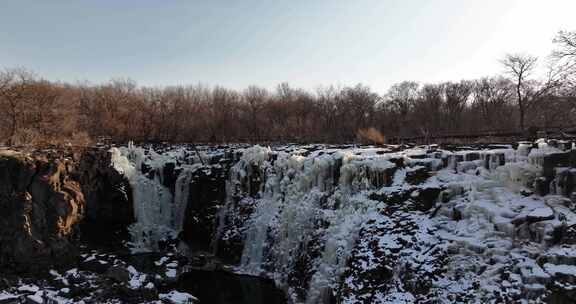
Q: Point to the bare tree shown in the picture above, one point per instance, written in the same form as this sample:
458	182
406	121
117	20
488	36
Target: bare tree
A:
564	57
492	99
402	97
255	99
427	110
457	96
14	98
520	67
566	45
33	108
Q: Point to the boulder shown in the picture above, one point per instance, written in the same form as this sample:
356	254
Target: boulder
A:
540	214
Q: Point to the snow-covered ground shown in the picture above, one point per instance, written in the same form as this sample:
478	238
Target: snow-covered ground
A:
100	277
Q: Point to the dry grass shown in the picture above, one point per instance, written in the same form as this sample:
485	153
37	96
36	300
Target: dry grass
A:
371	135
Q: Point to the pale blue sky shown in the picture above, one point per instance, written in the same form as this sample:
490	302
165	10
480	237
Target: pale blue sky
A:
306	43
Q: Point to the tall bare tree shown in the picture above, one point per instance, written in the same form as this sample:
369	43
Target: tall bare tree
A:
520	67
402	97
564	57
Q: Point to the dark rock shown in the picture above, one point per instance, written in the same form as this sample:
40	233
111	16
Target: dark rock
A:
456	214
553	160
232	288
494	159
40	209
565	180
398	161
170	175
207	195
109	203
500	159
336	171
417	175
418	156
118	273
567	235
427	197
487	158
391	198
472	156
572	158
541	186
95	265
4	284
381	178
526	192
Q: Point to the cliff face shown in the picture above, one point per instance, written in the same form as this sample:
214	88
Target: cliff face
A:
48	198
41	207
109	208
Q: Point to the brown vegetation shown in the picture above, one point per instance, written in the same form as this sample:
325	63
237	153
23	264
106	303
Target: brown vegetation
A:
36	111
371	136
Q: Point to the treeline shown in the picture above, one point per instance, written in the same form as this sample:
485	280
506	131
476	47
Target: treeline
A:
37	111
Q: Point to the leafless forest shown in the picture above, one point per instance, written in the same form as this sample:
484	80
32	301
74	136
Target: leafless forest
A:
527	94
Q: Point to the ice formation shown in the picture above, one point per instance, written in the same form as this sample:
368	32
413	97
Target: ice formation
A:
152	200
381	225
330	223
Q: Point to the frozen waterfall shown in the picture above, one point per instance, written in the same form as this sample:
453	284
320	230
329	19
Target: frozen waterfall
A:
158	213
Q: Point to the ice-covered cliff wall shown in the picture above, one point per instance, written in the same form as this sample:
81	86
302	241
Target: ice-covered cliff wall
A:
370	225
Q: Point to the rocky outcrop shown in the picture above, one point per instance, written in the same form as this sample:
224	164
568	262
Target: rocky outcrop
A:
207	194
109	204
40	209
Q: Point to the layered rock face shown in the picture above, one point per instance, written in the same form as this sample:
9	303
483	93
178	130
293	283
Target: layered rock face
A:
40	207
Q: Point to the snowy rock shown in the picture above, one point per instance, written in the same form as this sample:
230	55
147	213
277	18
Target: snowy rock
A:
8	298
532	273
35	299
176	297
171	273
563	273
29	288
540	214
